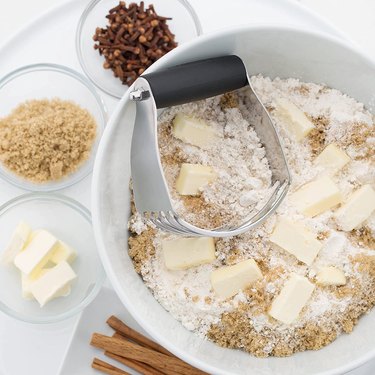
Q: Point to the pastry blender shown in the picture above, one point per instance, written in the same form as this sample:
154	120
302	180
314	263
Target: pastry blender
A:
182	84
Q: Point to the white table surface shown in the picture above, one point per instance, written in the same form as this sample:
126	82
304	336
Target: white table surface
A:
354	17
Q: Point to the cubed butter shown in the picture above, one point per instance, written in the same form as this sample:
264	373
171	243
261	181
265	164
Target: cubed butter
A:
293	297
295	119
332	159
297	240
31	237
193	177
358	208
63	252
53	283
37	253
193	131
228	281
183	253
317	196
17	242
330	276
28	281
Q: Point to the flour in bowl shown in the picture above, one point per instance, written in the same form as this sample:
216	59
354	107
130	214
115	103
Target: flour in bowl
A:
247	319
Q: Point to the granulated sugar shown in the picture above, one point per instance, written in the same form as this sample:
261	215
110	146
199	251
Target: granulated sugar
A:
243	322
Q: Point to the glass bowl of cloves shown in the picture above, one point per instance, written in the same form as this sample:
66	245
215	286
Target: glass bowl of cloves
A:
117	41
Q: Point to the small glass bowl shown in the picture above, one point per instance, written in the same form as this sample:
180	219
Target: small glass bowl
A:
70	222
184	24
49	81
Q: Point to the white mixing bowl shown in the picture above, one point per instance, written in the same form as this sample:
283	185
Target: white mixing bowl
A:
273	51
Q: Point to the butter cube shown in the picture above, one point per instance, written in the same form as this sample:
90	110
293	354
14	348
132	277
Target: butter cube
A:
297	240
317	196
228	281
193	177
63	252
31	237
183	253
330	276
53	283
16	243
332	159
37	253
293	297
358	208
28	281
193	131
296	120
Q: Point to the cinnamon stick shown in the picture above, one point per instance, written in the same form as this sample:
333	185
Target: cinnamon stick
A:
107	368
155	372
135	365
131	334
127	349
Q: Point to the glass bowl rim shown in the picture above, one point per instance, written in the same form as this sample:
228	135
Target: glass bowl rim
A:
82	20
60	69
85	213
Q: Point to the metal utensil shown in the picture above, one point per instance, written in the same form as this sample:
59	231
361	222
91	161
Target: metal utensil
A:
182	84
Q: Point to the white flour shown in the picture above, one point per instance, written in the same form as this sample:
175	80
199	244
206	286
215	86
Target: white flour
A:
187	294
237	157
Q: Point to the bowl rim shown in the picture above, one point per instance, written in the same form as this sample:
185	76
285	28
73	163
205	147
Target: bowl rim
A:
82	20
97	221
85	213
73	179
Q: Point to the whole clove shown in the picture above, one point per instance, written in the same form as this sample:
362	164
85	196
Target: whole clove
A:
134	38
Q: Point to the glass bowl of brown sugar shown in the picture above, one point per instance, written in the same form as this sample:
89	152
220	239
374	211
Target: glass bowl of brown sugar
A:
51	122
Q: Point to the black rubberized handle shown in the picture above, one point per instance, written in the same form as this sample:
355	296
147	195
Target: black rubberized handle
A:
197	80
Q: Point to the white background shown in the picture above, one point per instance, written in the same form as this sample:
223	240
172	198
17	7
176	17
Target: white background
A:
355	17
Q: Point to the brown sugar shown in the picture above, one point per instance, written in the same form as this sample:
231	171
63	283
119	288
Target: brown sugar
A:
302	90
226	332
322	235
141	248
366	264
208	216
317	137
363	237
45	140
229	100
357	136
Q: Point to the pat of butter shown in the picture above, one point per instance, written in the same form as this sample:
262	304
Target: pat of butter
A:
193	177
330	276
193	131
63	252
183	253
296	240
293	297
17	242
228	281
317	196
295	119
52	283
28	281
31	237
357	209
36	254
332	159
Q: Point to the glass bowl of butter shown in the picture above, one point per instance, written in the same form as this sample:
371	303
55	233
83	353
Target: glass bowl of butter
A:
49	266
